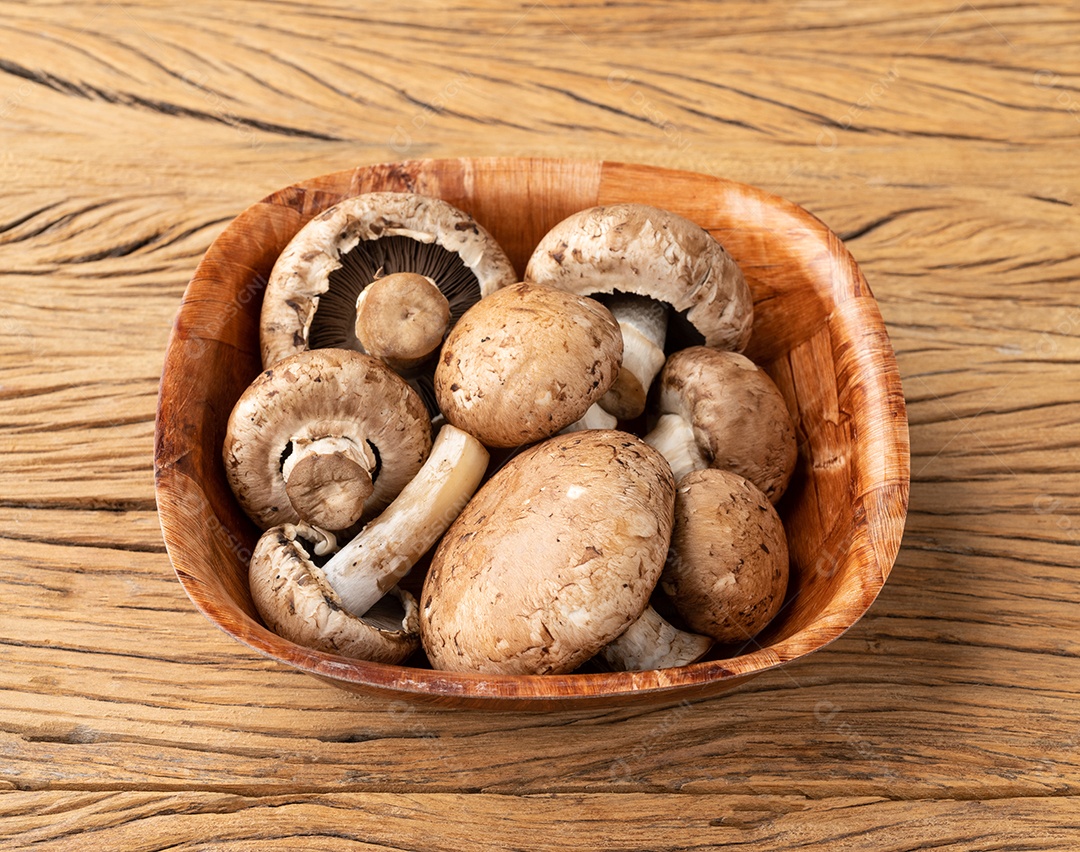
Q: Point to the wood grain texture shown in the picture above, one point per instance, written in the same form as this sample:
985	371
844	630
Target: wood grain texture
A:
139	822
937	139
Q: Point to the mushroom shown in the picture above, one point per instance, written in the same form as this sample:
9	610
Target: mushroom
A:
328	437
667	280
295	601
594	418
718	409
728	568
653	642
385	550
312	295
554	557
525	362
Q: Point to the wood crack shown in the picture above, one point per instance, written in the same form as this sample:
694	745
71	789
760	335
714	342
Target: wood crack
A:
884	220
99	545
88	91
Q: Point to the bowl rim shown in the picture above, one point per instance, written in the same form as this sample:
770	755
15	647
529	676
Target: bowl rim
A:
555	690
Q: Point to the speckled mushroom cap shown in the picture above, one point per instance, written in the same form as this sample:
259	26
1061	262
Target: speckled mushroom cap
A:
553	558
315	394
738	415
728	569
525	362
295	601
302	275
635	248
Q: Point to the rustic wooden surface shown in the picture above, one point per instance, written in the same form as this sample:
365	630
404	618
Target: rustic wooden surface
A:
939	139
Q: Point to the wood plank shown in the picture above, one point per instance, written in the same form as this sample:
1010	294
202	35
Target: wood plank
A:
148	821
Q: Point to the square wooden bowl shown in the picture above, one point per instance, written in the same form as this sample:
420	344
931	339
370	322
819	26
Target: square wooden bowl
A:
817	331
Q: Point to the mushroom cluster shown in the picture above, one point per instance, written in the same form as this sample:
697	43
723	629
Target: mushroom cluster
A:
632	522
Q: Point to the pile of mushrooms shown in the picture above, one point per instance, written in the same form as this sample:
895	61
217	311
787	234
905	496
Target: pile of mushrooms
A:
631	524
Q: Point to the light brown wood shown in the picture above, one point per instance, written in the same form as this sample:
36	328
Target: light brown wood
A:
451	822
937	139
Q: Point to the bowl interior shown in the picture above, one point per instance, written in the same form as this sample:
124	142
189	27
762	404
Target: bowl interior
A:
817	331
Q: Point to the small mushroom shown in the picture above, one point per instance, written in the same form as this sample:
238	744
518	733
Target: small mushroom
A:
728	568
525	362
387	548
718	409
667	280
554	557
312	295
328	437
295	601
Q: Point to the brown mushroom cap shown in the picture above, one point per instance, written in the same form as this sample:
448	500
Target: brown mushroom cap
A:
524	362
728	569
635	248
295	601
323	393
738	415
552	559
310	299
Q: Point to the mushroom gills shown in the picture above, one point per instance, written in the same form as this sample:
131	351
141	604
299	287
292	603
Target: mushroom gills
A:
643	322
334	324
386	549
653	642
391	611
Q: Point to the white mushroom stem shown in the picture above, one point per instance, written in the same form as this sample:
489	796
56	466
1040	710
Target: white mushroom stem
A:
386	549
652	642
328	480
674	437
643	322
402	318
594	418
295	602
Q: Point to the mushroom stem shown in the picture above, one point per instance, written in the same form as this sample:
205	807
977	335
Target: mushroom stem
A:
652	642
328	480
402	318
643	322
594	418
673	436
386	549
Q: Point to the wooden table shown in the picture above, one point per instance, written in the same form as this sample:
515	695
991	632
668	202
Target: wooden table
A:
939	140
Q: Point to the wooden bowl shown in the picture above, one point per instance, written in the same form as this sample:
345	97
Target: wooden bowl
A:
817	331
